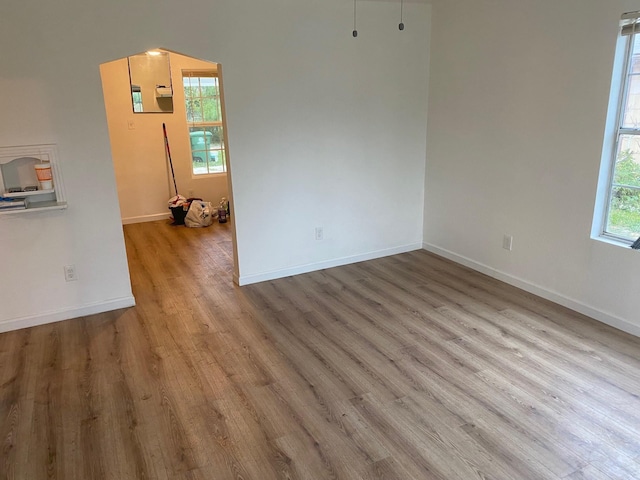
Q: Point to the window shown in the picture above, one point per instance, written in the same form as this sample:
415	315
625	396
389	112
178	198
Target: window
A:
204	118
136	96
622	212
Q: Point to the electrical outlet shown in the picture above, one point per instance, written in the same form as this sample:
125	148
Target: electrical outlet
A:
131	124
70	273
507	242
319	233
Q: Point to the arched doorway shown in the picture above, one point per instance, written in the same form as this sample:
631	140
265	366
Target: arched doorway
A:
138	103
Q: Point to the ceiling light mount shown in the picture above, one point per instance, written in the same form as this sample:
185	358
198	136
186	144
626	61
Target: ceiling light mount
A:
355	8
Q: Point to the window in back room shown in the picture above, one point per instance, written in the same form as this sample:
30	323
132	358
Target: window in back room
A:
204	120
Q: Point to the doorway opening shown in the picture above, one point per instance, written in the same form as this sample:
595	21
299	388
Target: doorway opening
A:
144	92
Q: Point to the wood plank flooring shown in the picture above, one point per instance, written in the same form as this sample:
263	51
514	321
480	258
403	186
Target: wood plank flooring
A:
406	367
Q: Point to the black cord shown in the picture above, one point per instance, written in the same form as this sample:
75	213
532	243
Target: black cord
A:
401	25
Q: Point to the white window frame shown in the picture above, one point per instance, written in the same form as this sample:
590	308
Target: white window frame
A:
614	129
203	124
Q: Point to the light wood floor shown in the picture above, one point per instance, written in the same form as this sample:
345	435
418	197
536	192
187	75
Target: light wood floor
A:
407	367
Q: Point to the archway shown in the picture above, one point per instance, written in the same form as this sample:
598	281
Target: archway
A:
143	177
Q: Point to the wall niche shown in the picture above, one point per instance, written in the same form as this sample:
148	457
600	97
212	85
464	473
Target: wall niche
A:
30	179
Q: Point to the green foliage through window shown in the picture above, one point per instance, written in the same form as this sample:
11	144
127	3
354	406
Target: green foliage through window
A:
624	213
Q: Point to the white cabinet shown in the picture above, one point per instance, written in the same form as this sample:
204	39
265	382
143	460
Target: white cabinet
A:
17	173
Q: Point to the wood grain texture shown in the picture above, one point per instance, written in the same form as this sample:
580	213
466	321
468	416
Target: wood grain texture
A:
406	367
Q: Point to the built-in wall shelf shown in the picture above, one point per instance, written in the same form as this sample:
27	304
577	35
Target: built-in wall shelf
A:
36	207
17	171
27	194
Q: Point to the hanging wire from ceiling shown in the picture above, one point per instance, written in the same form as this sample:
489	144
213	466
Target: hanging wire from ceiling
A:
355	31
355	17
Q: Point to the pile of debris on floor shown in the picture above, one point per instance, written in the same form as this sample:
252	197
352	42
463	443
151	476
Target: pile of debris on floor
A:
194	212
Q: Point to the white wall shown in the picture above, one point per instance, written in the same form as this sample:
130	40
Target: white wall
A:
518	99
143	175
327	130
324	130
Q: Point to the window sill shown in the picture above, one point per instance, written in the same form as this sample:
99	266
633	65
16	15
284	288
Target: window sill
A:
207	175
619	242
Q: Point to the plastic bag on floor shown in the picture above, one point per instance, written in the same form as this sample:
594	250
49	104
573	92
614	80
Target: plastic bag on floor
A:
200	214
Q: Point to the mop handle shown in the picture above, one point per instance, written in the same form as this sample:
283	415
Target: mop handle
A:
166	144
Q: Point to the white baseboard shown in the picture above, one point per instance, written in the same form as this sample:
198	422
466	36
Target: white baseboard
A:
312	267
604	317
146	218
66	314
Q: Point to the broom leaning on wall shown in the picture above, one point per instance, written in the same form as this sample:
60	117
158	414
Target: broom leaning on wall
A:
168	150
176	204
